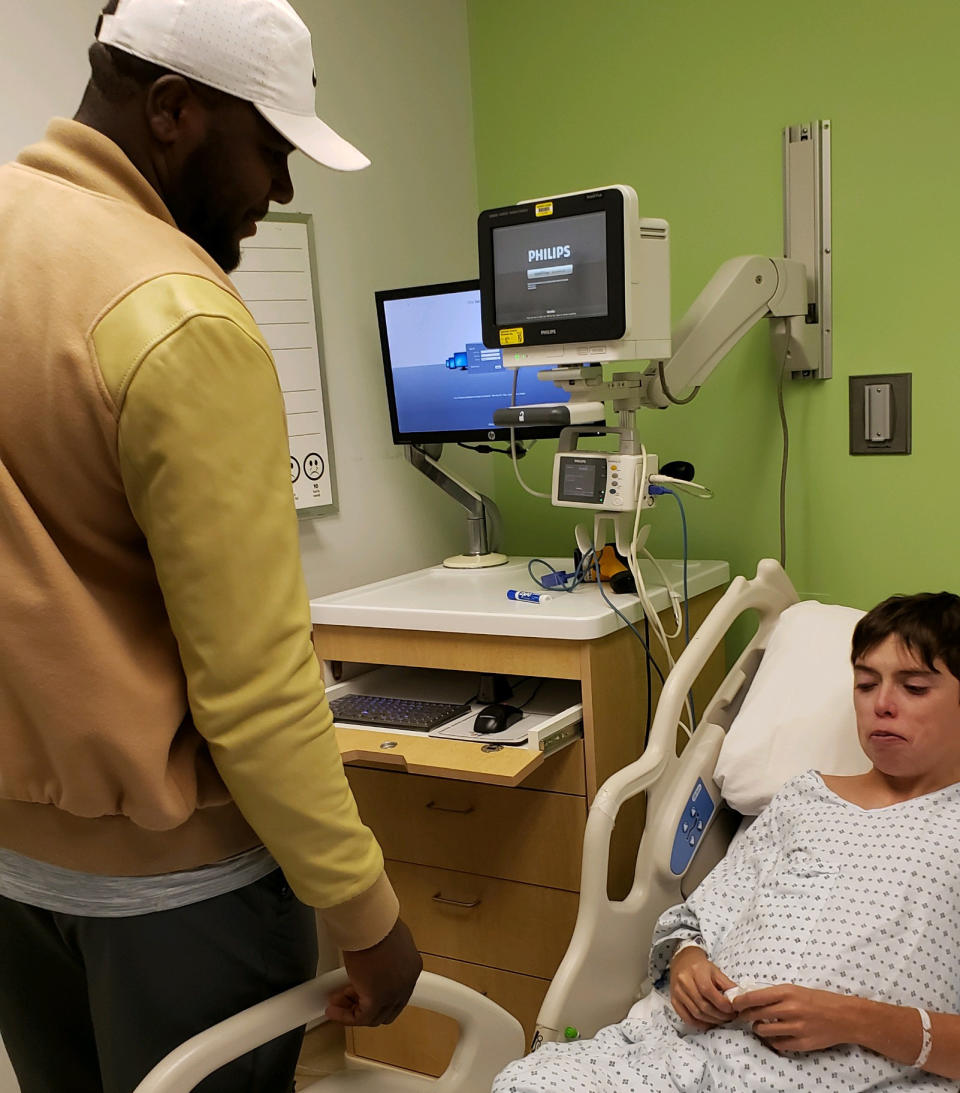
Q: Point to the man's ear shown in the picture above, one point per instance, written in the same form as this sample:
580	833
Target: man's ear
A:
174	112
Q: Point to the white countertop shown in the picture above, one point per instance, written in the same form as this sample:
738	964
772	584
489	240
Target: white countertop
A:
474	601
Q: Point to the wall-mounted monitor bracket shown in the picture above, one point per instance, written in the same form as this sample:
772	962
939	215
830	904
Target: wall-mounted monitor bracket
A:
807	239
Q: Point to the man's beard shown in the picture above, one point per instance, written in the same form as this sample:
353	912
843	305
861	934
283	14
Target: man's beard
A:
199	208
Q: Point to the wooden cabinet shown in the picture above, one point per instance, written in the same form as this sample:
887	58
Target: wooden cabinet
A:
518	834
488	879
488	874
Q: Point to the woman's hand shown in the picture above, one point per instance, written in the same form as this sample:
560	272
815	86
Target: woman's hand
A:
791	1018
696	990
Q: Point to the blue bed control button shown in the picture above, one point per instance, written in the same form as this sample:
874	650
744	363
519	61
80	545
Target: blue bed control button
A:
695	819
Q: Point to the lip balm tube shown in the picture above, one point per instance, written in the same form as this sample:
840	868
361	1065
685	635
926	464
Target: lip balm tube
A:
528	597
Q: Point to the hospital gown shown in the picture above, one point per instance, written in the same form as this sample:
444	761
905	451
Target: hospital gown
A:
819	892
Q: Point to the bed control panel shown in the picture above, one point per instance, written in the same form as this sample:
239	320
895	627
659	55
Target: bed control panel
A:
697	813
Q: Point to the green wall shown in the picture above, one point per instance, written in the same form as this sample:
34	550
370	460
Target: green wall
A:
686	101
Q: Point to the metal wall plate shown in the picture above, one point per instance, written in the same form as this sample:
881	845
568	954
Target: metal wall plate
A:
869	438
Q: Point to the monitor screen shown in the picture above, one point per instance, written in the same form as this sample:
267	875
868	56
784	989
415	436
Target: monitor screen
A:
443	384
549	270
553	271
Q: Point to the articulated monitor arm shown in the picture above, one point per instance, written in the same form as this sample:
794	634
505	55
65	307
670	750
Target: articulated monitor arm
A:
477	506
741	292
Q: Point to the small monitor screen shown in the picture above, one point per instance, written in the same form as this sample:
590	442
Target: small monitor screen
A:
443	383
582	479
551	269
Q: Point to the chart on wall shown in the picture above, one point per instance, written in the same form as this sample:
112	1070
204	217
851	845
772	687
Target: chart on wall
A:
278	282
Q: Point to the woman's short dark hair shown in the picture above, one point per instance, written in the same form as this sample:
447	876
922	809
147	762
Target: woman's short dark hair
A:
927	623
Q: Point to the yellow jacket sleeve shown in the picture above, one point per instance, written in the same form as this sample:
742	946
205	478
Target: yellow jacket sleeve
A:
205	463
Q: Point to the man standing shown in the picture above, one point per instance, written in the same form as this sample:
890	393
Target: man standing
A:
165	744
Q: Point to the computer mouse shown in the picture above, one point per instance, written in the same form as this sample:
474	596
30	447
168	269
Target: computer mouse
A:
496	718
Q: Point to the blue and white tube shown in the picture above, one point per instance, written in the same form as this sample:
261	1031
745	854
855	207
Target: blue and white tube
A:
528	597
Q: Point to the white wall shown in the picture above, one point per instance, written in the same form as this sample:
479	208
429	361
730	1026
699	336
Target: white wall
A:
43	65
394	78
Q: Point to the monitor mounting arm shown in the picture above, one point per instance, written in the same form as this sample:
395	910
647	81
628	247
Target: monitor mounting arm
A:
795	292
477	506
741	293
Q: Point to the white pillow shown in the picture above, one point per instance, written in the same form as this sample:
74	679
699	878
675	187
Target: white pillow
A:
798	713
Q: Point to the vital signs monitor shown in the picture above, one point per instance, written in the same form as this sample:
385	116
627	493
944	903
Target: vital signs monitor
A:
575	278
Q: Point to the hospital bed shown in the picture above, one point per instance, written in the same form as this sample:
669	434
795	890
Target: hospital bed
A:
785	706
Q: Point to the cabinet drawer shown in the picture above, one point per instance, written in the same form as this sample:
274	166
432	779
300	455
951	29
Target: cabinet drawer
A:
424	1041
516	927
516	834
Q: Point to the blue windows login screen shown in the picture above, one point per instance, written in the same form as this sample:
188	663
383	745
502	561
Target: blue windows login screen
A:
444	378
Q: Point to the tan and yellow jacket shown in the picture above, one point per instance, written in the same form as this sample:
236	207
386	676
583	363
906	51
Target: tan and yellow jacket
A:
160	703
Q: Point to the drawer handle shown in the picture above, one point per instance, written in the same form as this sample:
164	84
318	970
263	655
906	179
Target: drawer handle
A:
459	811
469	904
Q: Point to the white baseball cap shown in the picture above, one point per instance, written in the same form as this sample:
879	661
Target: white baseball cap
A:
256	50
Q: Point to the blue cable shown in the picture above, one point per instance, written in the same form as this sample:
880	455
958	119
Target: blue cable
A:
567	582
560	579
623	617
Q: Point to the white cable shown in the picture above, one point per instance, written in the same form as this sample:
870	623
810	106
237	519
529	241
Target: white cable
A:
678	615
649	610
655	623
513	444
634	565
632	560
516	467
597	545
683	485
674	596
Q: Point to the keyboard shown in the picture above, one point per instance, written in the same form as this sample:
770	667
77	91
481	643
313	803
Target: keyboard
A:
395	713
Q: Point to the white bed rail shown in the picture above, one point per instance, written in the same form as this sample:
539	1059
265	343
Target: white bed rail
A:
489	1039
605	968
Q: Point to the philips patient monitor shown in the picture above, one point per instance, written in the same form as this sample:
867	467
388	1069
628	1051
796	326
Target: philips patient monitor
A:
573	279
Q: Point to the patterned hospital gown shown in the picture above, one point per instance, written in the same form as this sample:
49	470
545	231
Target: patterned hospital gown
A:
819	892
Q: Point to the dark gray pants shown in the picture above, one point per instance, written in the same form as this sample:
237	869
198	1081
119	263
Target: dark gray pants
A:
90	1005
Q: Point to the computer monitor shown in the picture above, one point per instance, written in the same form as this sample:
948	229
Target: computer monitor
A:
575	278
443	384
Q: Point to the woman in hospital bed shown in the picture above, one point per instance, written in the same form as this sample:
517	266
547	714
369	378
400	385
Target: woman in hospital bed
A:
823	953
